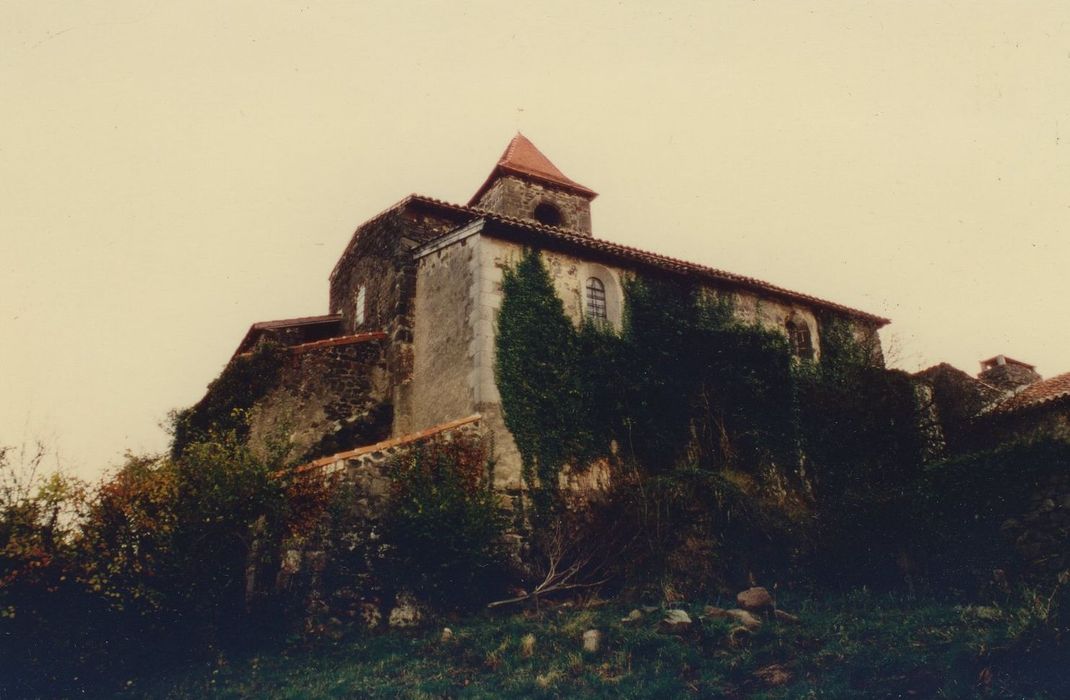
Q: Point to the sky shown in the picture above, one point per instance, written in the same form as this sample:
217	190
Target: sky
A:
172	172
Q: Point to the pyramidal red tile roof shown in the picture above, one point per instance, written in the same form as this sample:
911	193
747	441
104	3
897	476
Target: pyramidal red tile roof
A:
1042	392
522	158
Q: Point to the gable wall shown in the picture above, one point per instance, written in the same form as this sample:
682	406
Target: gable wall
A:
379	259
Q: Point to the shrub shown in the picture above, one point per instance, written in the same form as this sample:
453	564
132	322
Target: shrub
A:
443	530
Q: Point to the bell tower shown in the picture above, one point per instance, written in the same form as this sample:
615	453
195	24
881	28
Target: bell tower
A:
526	185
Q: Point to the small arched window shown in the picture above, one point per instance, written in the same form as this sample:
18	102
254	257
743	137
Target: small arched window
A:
802	345
546	213
596	300
359	315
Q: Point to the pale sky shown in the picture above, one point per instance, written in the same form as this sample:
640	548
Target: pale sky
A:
171	172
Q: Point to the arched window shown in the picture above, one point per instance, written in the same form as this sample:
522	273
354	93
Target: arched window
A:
359	316
546	213
596	299
802	345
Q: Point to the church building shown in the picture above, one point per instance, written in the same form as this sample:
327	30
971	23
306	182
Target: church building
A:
407	348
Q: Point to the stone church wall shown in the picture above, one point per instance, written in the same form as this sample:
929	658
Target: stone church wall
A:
331	395
510	195
378	259
444	336
459	294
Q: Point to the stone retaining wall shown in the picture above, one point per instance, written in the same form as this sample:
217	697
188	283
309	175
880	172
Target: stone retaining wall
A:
330	395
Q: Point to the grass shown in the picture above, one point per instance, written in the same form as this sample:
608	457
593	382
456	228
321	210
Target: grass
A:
853	646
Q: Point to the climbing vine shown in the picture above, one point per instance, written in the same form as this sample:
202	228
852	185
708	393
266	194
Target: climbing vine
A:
683	381
536	369
686	389
243	382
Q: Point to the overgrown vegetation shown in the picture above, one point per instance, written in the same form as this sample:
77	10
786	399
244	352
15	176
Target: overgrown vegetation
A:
444	526
853	646
729	452
730	462
971	516
224	408
156	552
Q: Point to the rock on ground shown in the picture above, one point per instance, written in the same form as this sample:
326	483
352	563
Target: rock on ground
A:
786	617
741	616
755	599
592	641
405	613
774	675
675	622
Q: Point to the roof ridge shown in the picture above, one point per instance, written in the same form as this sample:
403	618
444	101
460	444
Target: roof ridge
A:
610	247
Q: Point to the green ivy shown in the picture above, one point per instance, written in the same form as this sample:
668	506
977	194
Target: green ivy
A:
688	386
243	382
538	354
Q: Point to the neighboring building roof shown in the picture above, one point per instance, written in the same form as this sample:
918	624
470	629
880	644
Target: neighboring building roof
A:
258	329
1040	393
997	360
295	322
522	158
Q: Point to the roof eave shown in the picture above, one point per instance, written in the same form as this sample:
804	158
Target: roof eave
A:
513	228
504	169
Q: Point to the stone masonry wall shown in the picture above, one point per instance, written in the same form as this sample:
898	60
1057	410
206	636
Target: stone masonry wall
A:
332	395
470	333
443	336
309	565
1041	535
512	196
378	259
1009	377
1047	420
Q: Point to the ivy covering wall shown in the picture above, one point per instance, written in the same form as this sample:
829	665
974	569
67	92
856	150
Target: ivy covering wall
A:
244	381
708	412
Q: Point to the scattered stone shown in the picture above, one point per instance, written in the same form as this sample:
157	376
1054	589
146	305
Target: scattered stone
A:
745	618
755	599
545	680
675	622
786	617
773	674
370	615
740	616
405	613
447	635
592	641
291	561
633	616
527	645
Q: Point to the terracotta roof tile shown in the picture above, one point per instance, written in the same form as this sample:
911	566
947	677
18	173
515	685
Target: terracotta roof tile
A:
293	322
522	158
255	330
1039	393
386	444
616	250
664	262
